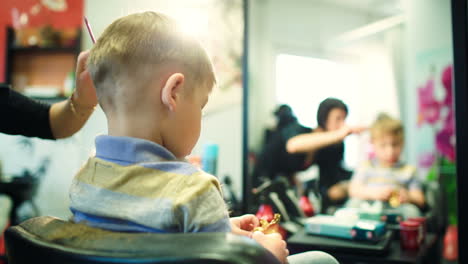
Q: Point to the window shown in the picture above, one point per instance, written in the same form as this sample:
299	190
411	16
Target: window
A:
303	82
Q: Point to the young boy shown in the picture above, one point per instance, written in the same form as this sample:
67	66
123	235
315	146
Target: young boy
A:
152	82
385	178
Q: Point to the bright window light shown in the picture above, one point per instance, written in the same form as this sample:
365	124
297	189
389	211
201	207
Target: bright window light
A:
304	82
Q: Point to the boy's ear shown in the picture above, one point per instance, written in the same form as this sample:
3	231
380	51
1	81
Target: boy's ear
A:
171	90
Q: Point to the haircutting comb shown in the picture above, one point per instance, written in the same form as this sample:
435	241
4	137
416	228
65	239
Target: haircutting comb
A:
89	30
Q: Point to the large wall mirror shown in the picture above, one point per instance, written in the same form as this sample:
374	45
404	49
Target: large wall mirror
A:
376	56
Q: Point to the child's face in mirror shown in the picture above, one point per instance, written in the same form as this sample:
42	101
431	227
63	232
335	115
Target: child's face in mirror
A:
336	119
388	149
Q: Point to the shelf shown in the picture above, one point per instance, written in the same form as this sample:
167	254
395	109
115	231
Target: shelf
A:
32	65
44	49
49	100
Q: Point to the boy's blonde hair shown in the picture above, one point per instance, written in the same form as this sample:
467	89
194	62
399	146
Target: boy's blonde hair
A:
386	125
133	48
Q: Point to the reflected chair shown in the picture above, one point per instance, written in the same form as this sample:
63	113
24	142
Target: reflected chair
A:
51	240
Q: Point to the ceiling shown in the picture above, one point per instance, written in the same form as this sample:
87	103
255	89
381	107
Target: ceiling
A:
382	8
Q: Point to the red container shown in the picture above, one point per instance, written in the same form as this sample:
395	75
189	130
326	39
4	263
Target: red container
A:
306	206
265	211
450	251
422	222
410	235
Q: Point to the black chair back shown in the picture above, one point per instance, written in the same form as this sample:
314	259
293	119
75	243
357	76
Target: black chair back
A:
51	240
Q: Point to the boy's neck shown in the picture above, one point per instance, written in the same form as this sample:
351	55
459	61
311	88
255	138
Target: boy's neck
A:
386	164
136	128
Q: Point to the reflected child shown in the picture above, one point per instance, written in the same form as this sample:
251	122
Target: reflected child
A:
386	178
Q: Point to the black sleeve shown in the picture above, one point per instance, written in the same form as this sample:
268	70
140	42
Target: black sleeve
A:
21	115
292	162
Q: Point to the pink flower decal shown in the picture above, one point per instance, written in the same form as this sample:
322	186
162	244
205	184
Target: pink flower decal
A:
429	108
445	138
447	83
440	115
427	159
445	143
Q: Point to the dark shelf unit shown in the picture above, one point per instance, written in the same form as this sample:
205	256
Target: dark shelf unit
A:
50	100
43	50
12	49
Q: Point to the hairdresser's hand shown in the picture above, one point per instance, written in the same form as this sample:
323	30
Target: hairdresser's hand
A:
85	93
244	225
358	129
274	243
345	130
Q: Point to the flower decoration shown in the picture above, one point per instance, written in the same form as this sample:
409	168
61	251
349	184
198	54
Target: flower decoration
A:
447	83
429	107
445	143
439	114
427	159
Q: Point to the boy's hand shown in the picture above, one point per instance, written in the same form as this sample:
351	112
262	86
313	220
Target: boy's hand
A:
383	194
85	92
244	225
404	195
274	243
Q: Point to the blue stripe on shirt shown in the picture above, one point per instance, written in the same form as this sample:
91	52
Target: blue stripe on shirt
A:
113	224
128	149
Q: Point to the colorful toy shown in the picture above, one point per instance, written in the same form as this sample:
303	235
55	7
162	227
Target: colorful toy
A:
394	199
269	227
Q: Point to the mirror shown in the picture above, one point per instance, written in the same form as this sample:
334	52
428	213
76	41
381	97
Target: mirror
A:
375	56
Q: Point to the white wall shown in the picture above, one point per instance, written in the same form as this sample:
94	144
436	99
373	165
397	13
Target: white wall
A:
225	129
428	41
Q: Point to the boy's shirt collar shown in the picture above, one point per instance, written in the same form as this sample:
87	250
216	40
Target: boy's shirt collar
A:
130	150
376	164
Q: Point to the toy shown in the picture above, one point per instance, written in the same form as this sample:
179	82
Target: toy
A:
394	199
265	212
269	227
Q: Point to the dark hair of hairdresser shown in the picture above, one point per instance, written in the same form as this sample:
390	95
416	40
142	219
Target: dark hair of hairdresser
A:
325	107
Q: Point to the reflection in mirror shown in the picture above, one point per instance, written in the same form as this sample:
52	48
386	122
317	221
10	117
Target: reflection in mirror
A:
374	57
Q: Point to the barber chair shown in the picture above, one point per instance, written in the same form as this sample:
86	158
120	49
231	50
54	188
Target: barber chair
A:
51	240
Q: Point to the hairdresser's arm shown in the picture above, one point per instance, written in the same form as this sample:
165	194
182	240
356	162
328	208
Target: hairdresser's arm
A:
311	142
316	140
69	116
